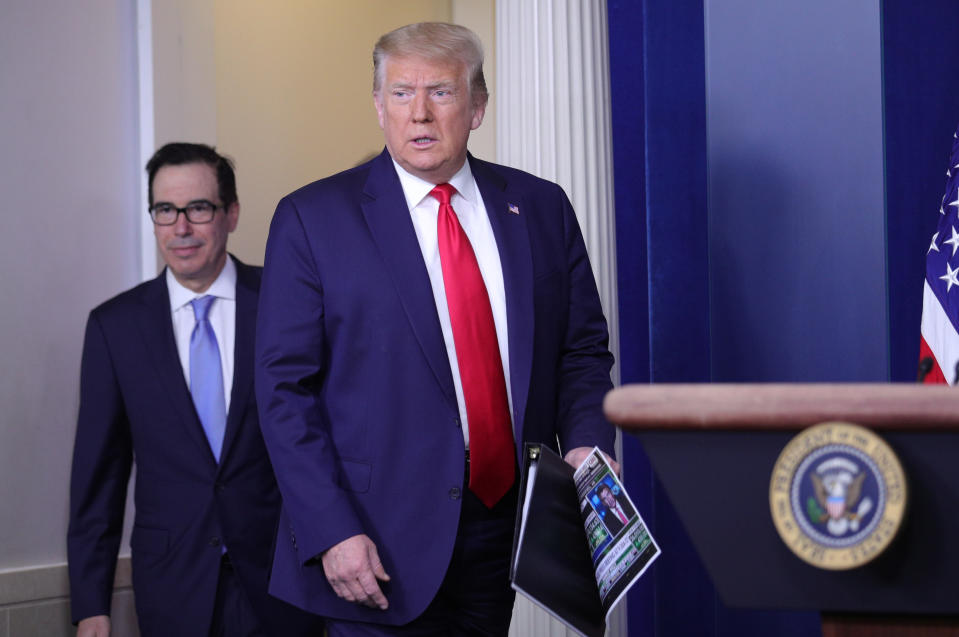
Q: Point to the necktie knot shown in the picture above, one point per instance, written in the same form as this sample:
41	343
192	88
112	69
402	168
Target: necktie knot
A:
443	193
201	307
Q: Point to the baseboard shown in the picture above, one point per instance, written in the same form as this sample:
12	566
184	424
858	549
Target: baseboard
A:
36	583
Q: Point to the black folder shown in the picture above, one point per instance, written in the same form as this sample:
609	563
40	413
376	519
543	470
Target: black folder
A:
551	561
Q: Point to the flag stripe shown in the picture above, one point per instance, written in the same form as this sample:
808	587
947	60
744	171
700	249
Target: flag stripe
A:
940	296
934	375
938	335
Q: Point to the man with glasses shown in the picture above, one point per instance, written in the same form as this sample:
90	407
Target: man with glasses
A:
167	380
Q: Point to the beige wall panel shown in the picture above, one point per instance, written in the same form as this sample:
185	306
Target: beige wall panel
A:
293	95
184	73
480	16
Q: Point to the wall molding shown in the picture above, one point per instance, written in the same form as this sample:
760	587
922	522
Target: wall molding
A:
553	120
147	140
40	583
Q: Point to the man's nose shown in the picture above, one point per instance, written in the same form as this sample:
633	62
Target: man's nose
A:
182	227
421	108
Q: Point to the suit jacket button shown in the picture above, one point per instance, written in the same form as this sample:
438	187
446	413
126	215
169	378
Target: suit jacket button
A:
214	541
220	487
455	493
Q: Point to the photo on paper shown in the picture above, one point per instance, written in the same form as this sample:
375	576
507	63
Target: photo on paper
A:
611	505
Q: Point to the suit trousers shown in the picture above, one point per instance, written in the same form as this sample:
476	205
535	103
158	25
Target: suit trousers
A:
475	598
233	614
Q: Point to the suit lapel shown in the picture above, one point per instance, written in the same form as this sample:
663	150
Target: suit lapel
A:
392	230
512	241
156	327
245	326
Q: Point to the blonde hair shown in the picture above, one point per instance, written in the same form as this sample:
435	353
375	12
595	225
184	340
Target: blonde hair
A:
433	41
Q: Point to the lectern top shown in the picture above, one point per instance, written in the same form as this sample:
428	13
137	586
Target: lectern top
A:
770	406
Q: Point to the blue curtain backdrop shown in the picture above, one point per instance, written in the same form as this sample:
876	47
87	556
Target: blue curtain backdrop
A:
778	168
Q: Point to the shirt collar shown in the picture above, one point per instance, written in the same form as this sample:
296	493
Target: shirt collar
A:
416	189
224	287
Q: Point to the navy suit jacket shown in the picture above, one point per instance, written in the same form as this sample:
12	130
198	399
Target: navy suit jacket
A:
135	403
354	387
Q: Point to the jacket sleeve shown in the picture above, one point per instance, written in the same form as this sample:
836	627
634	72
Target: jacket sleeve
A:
102	459
585	360
290	370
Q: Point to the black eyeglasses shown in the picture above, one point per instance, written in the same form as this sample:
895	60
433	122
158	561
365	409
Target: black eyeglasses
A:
166	214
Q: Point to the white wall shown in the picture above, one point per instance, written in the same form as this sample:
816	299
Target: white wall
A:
69	178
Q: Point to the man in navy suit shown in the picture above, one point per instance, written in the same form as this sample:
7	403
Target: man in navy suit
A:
616	510
206	499
422	316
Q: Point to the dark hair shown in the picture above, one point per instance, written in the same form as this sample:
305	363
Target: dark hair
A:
178	153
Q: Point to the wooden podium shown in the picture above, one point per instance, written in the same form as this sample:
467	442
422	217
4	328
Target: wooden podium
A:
714	447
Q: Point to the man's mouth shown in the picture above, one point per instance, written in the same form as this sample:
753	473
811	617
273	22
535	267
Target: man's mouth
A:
184	247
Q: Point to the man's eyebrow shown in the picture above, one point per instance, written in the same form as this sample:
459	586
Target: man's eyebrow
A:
447	84
164	202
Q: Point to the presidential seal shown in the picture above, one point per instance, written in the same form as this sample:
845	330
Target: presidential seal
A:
837	495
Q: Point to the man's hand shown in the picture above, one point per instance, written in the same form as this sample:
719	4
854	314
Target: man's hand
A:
96	626
352	568
575	457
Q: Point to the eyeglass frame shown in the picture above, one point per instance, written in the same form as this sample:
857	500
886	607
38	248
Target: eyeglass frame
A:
151	211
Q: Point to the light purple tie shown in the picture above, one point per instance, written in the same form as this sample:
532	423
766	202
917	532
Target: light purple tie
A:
206	376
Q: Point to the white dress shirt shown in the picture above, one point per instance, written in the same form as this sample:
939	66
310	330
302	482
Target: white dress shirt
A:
222	317
472	216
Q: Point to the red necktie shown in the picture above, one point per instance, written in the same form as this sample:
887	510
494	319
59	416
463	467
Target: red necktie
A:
492	468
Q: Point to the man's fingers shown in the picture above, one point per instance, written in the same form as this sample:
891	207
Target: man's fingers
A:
361	592
376	565
369	579
352	567
97	626
341	589
575	457
372	595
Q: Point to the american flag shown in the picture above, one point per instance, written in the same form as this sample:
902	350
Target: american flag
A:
939	342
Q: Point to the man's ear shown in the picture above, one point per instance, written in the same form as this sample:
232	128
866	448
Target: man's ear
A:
479	110
232	215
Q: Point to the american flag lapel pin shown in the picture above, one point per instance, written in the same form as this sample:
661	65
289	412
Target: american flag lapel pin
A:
513	208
